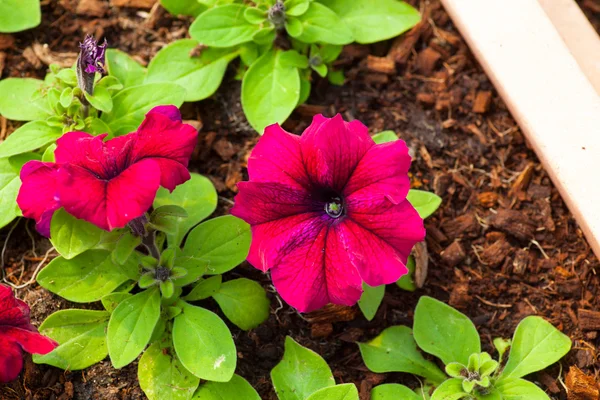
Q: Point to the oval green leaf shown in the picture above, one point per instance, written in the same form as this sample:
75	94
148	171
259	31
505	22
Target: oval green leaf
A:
204	344
426	203
346	391
223	26
81	337
300	373
270	91
72	236
220	244
393	391
395	350
520	389
16	101
244	302
83	279
371	300
536	345
198	197
19	15
450	390
444	332
31	136
236	389
131	326
162	376
128	71
321	25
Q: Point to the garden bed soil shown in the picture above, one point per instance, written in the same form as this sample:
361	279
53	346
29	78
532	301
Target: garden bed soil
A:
502	246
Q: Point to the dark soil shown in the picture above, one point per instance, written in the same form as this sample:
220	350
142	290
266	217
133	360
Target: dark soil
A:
502	246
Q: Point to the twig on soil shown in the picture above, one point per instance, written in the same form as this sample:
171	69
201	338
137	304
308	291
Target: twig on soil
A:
226	200
32	239
559	378
489	303
537	244
35	272
12	228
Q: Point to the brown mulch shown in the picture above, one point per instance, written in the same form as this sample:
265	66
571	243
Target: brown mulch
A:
502	246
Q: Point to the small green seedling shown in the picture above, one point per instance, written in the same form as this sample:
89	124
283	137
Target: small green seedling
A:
470	374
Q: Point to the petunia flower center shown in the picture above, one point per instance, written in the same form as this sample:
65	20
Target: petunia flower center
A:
335	207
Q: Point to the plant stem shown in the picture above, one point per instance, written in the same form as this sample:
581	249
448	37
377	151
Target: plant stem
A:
149	241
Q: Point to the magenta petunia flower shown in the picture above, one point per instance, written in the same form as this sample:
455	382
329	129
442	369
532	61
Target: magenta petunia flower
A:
17	335
109	183
328	211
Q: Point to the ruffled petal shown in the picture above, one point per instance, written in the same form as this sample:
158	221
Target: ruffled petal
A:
260	202
169	111
332	148
277	157
313	269
109	204
169	142
13	312
30	341
380	241
382	172
37	196
11	360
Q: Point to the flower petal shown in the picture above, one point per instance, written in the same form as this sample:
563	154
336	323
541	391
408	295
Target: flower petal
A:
109	204
260	202
37	195
13	312
277	158
30	341
169	142
382	172
169	111
332	148
314	270
11	360
379	241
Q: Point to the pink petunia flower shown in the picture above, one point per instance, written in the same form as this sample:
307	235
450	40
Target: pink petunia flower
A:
109	183
328	211
17	335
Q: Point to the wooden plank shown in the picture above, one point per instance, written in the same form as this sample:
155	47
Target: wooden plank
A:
547	92
578	34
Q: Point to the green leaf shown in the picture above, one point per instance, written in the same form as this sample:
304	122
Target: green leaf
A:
450	390
131	325
223	26
31	136
199	76
407	282
83	279
101	99
385	136
128	71
426	203
109	82
292	58
205	288
81	336
520	389
48	155
370	300
444	332
66	97
125	247
162	376
236	389
17	101
244	302
346	391
321	25
296	8
68	76
535	345
393	391
19	15
395	350
204	344
270	91
9	189
219	244
72	236
197	196
371	21
300	373
111	301
184	7
255	15
131	105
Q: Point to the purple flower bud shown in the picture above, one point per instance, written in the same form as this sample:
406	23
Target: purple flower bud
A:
90	61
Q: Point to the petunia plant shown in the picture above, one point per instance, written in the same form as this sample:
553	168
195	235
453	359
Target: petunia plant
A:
19	15
426	203
71	99
17	334
328	211
469	373
126	216
280	43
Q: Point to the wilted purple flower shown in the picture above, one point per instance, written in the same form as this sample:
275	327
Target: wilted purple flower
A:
90	61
